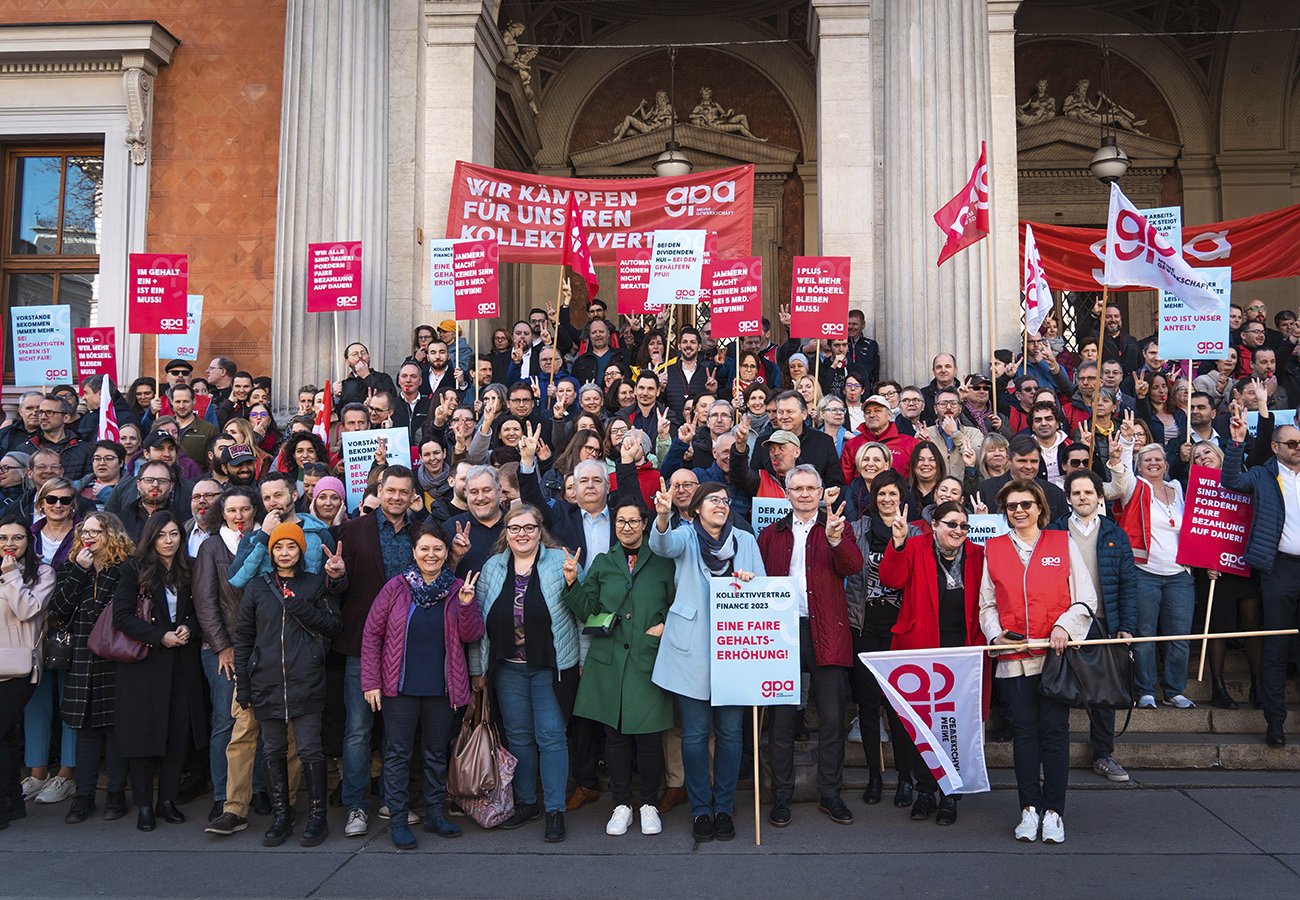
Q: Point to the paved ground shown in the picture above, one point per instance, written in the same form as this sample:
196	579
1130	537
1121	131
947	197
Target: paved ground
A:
1168	834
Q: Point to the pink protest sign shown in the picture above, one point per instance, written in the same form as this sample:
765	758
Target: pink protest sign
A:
334	276
1216	524
819	297
736	297
157	285
474	279
633	267
96	351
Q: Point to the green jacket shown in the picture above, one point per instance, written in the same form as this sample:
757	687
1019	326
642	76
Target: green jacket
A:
616	676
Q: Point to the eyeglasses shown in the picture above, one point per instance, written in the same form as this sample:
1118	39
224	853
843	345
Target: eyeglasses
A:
206	495
516	530
946	403
956	526
11	468
912	400
629	523
104	458
1290	445
829	409
265	415
718	501
58	500
1013	505
154	481
49	412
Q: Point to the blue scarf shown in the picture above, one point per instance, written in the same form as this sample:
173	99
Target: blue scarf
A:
428	595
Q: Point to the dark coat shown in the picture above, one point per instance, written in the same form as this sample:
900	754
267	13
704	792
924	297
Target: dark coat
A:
364	561
816	449
79	597
144	689
356	390
1056	502
1268	511
1117	573
280	646
563	520
216	600
679	389
586	367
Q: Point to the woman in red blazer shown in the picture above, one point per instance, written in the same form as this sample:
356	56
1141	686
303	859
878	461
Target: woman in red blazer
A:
939	575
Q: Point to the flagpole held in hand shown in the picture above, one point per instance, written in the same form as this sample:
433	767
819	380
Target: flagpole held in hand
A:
758	837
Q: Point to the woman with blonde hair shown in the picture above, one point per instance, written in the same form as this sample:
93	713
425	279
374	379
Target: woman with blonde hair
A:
242	431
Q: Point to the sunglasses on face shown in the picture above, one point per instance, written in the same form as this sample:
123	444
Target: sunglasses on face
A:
58	500
1290	445
1013	505
956	526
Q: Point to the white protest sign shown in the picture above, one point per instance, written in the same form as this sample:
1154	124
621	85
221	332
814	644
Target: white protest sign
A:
1280	417
41	344
986	526
359	455
184	346
1188	334
676	266
442	294
1168	220
754	642
766	510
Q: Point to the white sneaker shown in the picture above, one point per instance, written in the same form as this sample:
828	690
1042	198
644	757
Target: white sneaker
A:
358	824
620	820
650	823
56	790
32	787
1147	701
411	817
1027	830
855	731
1053	828
1180	702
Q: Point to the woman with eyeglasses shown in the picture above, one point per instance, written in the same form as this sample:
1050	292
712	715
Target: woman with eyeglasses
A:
707	547
159	700
52	540
265	431
854	393
939	575
242	431
26	585
635	586
530	653
86	583
831	412
107	464
1035	587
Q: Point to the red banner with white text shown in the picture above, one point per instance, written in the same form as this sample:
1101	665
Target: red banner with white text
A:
525	213
1256	247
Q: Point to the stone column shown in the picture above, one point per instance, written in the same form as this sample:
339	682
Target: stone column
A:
936	97
1004	176
840	33
333	182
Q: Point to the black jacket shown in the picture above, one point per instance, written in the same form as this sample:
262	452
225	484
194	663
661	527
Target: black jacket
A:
816	449
280	645
356	390
586	368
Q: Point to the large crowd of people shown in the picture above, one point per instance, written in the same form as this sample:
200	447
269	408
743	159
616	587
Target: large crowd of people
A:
567	475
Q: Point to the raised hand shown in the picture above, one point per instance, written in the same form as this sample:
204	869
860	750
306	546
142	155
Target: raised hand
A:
460	541
663	501
783	313
711	383
566	295
629	447
381	451
686	433
85	558
467	587
334	566
949	425
571	565
665	428
978	505
1128	425
969	456
1237	429
1141	386
835	525
899	527
831	494
528	444
742	429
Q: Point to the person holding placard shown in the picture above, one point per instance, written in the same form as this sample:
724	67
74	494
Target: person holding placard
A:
708	547
1033	586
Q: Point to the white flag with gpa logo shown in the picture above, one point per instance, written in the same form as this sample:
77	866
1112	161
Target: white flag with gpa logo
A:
939	697
1139	255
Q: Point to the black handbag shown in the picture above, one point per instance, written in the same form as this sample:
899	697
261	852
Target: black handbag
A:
56	650
1091	677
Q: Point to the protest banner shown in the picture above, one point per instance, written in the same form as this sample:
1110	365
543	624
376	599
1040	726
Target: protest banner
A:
359	455
1188	334
334	276
185	346
938	695
96	351
442	284
736	297
754	642
474	279
526	214
1168	220
1216	523
763	511
41	344
986	526
819	297
676	267
157	285
1280	417
633	288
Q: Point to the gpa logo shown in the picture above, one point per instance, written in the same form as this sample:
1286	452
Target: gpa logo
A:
748	325
833	329
1052	561
55	374
351	301
925	689
1232	560
1138	237
487	309
697	198
1209	346
777	688
171	323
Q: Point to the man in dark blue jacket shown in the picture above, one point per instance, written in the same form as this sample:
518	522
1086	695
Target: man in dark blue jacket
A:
1272	550
1109	554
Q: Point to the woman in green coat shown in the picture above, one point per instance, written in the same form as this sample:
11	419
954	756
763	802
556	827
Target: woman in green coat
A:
636	587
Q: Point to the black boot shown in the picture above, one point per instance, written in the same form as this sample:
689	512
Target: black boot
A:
277	783
318	827
1255	701
871	796
1219	696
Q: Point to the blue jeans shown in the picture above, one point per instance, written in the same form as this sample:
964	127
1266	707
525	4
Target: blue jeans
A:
1165	605
222	691
356	738
38	718
717	794
534	727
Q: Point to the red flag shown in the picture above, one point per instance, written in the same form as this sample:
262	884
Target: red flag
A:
322	426
965	218
577	255
108	430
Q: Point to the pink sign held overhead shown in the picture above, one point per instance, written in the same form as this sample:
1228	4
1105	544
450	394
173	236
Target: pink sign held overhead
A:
1216	524
819	297
633	289
736	297
157	286
334	276
474	279
96	351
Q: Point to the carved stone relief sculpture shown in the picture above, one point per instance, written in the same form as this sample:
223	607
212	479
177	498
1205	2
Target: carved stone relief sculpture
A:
1103	111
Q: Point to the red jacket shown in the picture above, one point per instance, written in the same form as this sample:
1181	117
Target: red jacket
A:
826	567
914	571
899	444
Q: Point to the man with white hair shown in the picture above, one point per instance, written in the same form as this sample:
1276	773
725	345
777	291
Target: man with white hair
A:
474	533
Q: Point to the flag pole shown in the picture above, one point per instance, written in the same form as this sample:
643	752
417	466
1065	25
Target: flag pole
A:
758	837
1190	390
1097	642
988	267
474	361
1205	637
1096	393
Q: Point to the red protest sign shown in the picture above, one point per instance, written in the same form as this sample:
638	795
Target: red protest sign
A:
334	276
1216	523
474	279
157	285
633	267
736	297
96	350
819	297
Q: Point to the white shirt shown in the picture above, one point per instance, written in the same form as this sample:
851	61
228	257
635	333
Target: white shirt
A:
1087	526
798	560
195	541
171	603
1289	482
1166	521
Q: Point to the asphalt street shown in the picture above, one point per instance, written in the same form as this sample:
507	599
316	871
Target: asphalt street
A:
1185	834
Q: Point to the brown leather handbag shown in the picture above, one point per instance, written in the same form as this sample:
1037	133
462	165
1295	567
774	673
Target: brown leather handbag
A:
107	642
472	770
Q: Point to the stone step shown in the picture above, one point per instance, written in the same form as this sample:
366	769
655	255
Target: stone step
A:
1238	688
